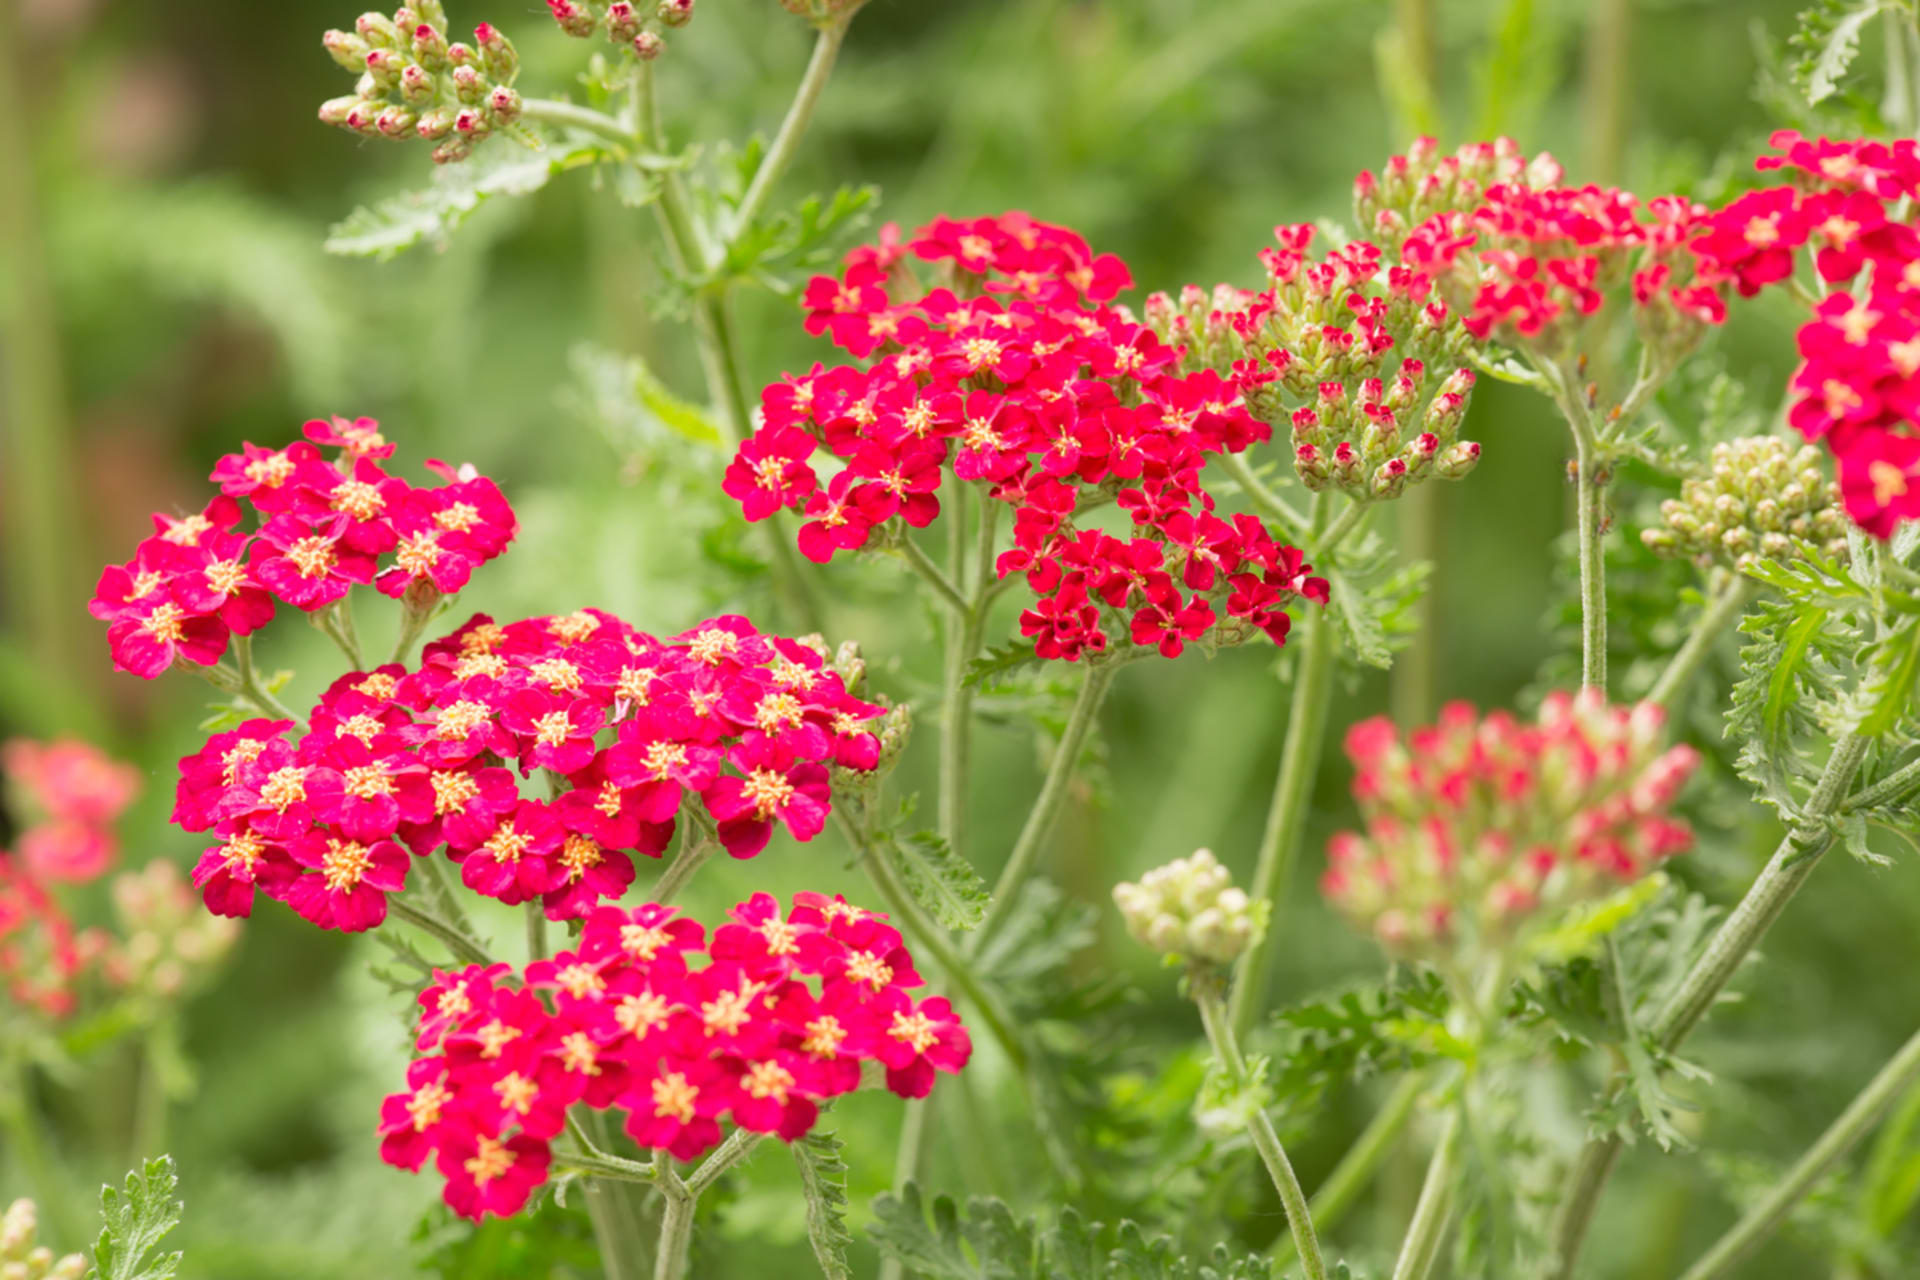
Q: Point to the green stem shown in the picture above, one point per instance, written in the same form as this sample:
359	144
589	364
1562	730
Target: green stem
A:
336	623
933	575
249	682
826	48
1593	565
536	930
1349	520
1287	813
1770	1213
1723	607
693	854
1213	1015
676	1233
412	623
1268	503
1806	842
930	937
21	1125
1363	1159
740	1144
583	119
1434	1210
1053	793
455	940
1890	790
616	1205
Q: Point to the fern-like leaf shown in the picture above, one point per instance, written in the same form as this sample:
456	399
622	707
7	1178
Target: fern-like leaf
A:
137	1219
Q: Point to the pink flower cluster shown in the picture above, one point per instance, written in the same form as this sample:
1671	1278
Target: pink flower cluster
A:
1858	387
1478	827
781	1017
1312	348
324	528
1013	373
72	794
626	725
1526	259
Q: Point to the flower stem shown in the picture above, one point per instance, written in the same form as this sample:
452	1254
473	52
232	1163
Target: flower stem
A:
933	575
1861	1115
336	623
1723	607
455	939
617	1204
1806	842
583	119
1892	789
20	1125
1593	564
1053	793
693	854
826	48
1363	1159
1348	520
1434	1210
956	703
1265	500
536	930
1287	814
1213	1016
249	682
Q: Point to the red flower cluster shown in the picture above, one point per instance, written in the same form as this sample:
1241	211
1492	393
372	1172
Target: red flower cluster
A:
1015	375
395	760
634	23
324	527
1522	257
73	794
780	1018
1312	348
1477	827
1859	385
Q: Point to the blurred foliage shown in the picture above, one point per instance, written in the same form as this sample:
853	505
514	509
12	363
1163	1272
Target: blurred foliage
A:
184	197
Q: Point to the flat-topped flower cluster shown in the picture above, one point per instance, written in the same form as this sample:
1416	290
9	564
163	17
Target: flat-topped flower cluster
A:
1010	371
1477	828
626	726
323	528
780	1018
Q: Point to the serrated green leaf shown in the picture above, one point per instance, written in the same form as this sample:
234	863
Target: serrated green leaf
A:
137	1219
1894	683
991	667
1827	41
431	215
823	1181
942	881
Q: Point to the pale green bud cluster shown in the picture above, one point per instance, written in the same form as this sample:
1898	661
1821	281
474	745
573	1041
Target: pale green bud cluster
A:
22	1259
415	83
1190	909
1760	494
172	944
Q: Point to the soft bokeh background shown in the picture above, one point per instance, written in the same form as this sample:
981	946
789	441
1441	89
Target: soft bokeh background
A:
164	192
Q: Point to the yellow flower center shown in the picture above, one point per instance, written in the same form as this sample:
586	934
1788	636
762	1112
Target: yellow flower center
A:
458	518
187	533
579	1054
517	1093
480	664
271	471
769	790
713	646
768	1080
642	942
674	1097
557	674
226	576
368	781
572	628
167	623
507	844
579	855
864	966
824	1035
778	711
418	553
285	788
379	685
553	728
491	1159
460	719
729	1011
425	1106
243	850
915	1029
580	981
451	791
245	751
484	638
495	1037
363	726
358	499
312	556
345	864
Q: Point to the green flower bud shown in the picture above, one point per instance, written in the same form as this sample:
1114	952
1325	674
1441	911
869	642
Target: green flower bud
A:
1756	495
1190	910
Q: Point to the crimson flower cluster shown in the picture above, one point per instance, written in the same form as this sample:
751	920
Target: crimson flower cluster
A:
1858	388
1312	348
1015	374
395	764
781	1017
1528	260
323	528
1477	828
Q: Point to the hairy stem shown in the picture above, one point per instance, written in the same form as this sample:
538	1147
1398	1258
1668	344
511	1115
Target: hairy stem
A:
1287	813
1723	608
249	682
1053	794
616	1202
1593	565
1226	1047
826	49
933	575
1892	789
1434	1210
1264	500
1363	1159
692	855
456	940
676	1233
536	930
1770	1213
1806	842
963	634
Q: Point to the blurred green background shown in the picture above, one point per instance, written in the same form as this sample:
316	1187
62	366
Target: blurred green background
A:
164	194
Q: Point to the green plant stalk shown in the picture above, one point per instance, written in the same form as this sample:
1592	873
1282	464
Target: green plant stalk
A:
1414	679
1287	813
21	1126
1363	1159
249	682
676	1233
1723	608
1805	844
1892	789
536	930
826	49
456	941
617	1207
1264	500
931	573
1434	1210
964	631
1226	1047
1053	794
1593	564
1770	1213
693	854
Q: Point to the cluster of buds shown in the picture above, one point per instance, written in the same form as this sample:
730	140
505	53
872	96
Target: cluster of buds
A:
1759	497
167	945
66	797
785	1013
415	83
1313	348
1479	830
635	24
822	13
22	1259
1190	910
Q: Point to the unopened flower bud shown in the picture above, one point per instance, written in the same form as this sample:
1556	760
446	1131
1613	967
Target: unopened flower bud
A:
1389	479
347	49
469	85
648	45
574	19
377	30
1457	461
435	124
429	47
335	111
505	104
385	66
675	13
417	86
623	21
497	55
396	122
1190	909
1756	495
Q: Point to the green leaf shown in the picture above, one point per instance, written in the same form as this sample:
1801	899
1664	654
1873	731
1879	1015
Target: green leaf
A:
398	223
137	1219
1891	686
1826	42
625	400
942	881
779	250
1374	593
986	1244
823	1180
991	667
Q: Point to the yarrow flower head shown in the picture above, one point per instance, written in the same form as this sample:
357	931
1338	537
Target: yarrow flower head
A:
633	24
68	795
781	1016
1313	348
1190	910
22	1257
415	83
1010	371
397	764
1759	497
1482	829
324	528
1858	388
